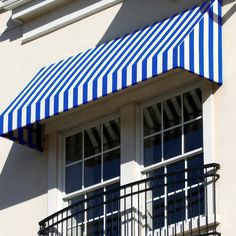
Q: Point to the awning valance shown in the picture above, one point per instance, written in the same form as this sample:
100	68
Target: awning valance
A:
190	40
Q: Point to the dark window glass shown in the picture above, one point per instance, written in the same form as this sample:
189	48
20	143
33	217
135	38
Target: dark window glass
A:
92	141
77	209
152	150
95	228
196	171
111	164
113	225
192	104
152	119
73	148
112	197
111	134
172	143
172	112
175	208
73	178
92	171
193	137
196	201
95	203
156	183
175	176
158	213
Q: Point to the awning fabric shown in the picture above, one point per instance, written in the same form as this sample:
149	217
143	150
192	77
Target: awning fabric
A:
191	40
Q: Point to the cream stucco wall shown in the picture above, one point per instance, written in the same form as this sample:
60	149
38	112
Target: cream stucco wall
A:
225	126
24	173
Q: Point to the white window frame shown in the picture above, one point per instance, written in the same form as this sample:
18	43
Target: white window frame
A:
66	197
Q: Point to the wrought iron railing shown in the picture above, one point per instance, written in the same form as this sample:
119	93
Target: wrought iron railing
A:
177	203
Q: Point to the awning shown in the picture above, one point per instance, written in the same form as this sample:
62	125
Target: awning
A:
191	40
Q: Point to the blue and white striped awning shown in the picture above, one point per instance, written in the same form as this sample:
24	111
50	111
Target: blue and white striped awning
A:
191	40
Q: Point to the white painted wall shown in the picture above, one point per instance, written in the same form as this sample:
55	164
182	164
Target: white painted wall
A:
225	126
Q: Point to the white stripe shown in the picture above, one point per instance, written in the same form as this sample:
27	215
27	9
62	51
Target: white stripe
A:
186	53
216	42
206	46
196	49
170	59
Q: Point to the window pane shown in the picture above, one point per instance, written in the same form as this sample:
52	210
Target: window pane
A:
192	104
92	171
196	201
92	141
176	208
111	164
152	150
158	213
152	119
172	143
156	183
112	198
193	137
172	112
73	178
95	203
95	228
111	134
197	173
175	176
73	148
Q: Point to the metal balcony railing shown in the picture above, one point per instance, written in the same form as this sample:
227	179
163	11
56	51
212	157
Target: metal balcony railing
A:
177	203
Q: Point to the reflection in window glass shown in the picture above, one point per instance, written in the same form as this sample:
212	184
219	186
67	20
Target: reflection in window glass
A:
74	148
176	208
92	171
73	177
92	141
111	164
192	102
172	143
152	150
152	119
172	112
111	134
175	176
96	163
193	136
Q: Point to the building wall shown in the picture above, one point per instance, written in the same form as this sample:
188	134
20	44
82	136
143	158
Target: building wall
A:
225	127
24	173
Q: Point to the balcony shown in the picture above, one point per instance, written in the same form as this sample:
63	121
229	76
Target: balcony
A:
180	203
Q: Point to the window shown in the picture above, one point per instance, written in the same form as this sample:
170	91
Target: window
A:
173	142
92	156
92	162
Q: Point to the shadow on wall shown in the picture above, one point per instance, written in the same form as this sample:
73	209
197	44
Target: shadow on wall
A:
128	18
135	14
23	176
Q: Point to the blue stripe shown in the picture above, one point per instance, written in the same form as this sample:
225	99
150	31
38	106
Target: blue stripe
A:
201	47
191	51
220	41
